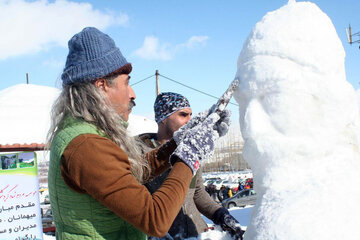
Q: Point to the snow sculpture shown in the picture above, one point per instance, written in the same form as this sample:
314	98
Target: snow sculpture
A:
300	122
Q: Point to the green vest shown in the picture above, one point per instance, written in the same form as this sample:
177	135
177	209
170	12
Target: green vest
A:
80	216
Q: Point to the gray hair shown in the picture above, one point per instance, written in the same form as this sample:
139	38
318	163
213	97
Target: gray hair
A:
86	101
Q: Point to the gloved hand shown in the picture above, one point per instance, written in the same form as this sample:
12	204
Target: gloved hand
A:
228	223
198	118
222	126
197	143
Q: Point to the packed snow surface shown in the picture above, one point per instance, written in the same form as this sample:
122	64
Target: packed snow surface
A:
217	233
25	114
300	122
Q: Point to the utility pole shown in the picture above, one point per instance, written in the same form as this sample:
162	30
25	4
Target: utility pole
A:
27	78
350	36
157	82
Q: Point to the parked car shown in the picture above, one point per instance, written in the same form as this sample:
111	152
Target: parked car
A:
219	183
241	199
232	185
210	181
48	223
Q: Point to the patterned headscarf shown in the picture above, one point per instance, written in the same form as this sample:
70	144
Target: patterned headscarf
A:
168	103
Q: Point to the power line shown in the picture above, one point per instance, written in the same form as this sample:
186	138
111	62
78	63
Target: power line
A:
184	85
142	80
207	94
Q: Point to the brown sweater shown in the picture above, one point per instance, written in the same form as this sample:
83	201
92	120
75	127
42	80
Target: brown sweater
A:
188	223
95	165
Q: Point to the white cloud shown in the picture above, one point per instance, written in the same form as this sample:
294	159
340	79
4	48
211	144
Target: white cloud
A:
54	63
153	50
29	27
194	41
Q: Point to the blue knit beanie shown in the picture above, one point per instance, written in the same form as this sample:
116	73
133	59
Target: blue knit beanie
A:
92	55
167	103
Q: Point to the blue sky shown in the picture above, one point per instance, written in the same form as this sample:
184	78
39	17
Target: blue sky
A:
193	42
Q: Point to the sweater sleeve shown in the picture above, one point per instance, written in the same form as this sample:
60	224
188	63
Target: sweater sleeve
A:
95	165
204	203
159	158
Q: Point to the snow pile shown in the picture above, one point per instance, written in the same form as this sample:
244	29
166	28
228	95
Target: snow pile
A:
300	122
25	114
217	233
358	97
140	124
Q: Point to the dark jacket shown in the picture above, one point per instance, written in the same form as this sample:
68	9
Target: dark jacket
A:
189	222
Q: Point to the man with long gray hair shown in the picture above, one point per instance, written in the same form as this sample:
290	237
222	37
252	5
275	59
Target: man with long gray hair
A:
96	170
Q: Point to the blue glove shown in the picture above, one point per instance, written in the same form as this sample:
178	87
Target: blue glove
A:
228	223
197	143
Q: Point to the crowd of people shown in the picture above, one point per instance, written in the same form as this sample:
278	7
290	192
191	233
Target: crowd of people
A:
226	192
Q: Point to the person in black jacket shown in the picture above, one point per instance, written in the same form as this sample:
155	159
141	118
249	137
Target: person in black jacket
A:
172	111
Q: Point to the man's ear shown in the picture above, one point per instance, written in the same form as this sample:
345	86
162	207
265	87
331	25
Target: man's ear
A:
101	83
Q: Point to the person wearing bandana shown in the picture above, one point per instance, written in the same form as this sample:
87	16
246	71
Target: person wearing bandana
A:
172	111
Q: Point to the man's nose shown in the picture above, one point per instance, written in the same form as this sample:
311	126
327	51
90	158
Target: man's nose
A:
131	93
